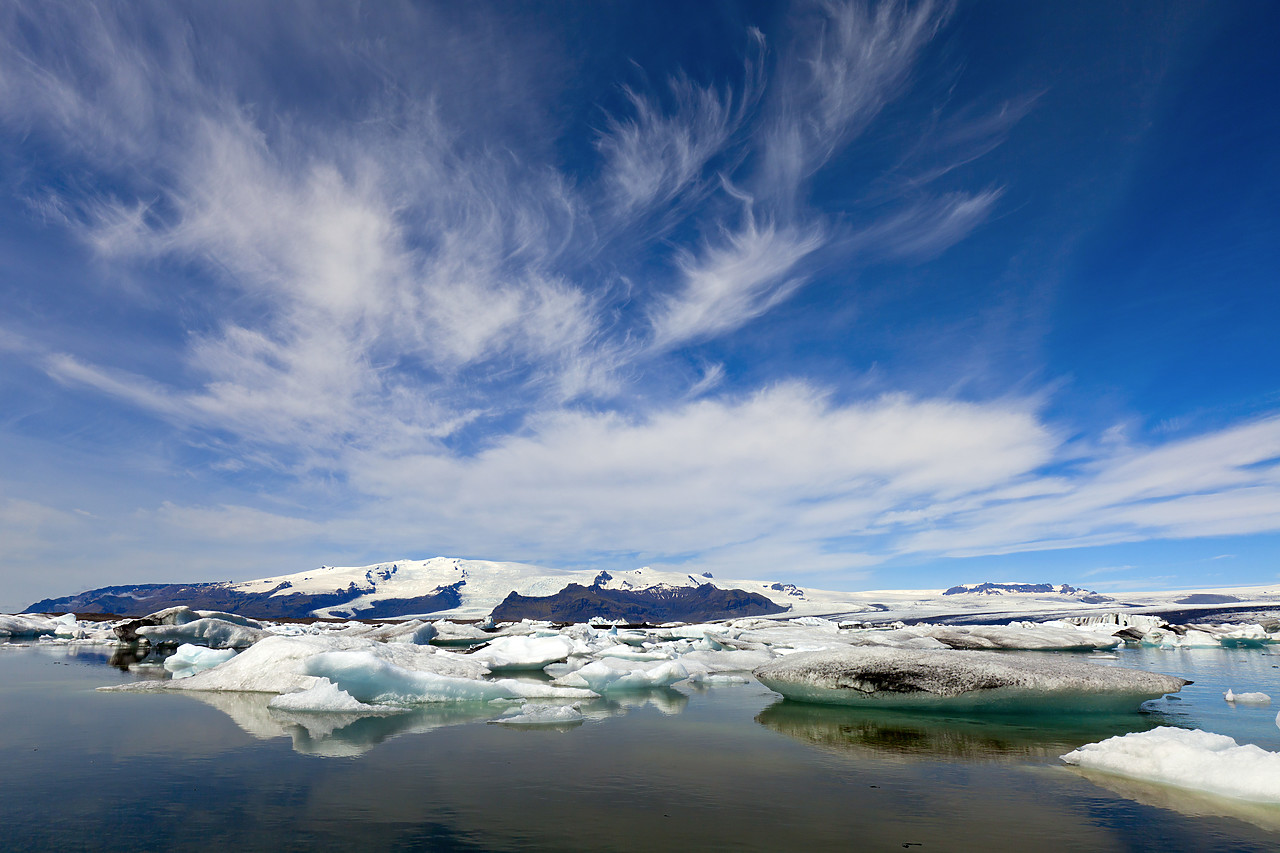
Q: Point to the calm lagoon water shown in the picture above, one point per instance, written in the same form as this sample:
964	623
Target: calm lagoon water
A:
726	768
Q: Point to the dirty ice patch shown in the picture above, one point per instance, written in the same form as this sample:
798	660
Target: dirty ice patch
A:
1185	758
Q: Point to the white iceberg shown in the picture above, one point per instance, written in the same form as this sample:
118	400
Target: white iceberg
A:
1187	758
376	681
614	675
506	654
1029	636
1247	698
869	675
1193	638
278	664
27	626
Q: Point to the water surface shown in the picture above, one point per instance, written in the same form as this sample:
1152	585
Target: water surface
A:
727	768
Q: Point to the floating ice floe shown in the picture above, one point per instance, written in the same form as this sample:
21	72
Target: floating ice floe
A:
459	634
414	631
372	679
369	672
615	675
1191	639
278	664
1186	758
988	681
1247	698
508	654
1026	636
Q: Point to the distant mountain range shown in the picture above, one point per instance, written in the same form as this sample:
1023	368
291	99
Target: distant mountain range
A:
452	587
1085	595
446	587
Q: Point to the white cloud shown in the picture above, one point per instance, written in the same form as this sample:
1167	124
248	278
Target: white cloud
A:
707	475
1221	483
733	282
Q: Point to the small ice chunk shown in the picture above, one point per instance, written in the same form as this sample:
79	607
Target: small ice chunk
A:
542	715
716	679
1247	698
1187	758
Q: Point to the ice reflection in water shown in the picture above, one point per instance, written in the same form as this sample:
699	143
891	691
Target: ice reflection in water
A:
906	736
344	735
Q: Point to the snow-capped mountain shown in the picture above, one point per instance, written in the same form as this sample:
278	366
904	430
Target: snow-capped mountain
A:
442	587
1088	596
447	587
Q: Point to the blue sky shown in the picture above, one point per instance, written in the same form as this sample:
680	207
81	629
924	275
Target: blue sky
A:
851	295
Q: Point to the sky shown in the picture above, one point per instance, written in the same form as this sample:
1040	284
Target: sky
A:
851	295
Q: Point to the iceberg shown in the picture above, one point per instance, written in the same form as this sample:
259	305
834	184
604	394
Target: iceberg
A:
26	626
987	681
506	654
1247	698
1187	758
212	631
372	680
278	664
1037	636
614	675
189	659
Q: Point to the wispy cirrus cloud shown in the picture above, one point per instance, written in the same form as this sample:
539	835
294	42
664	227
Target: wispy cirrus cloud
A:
1221	483
926	228
732	281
